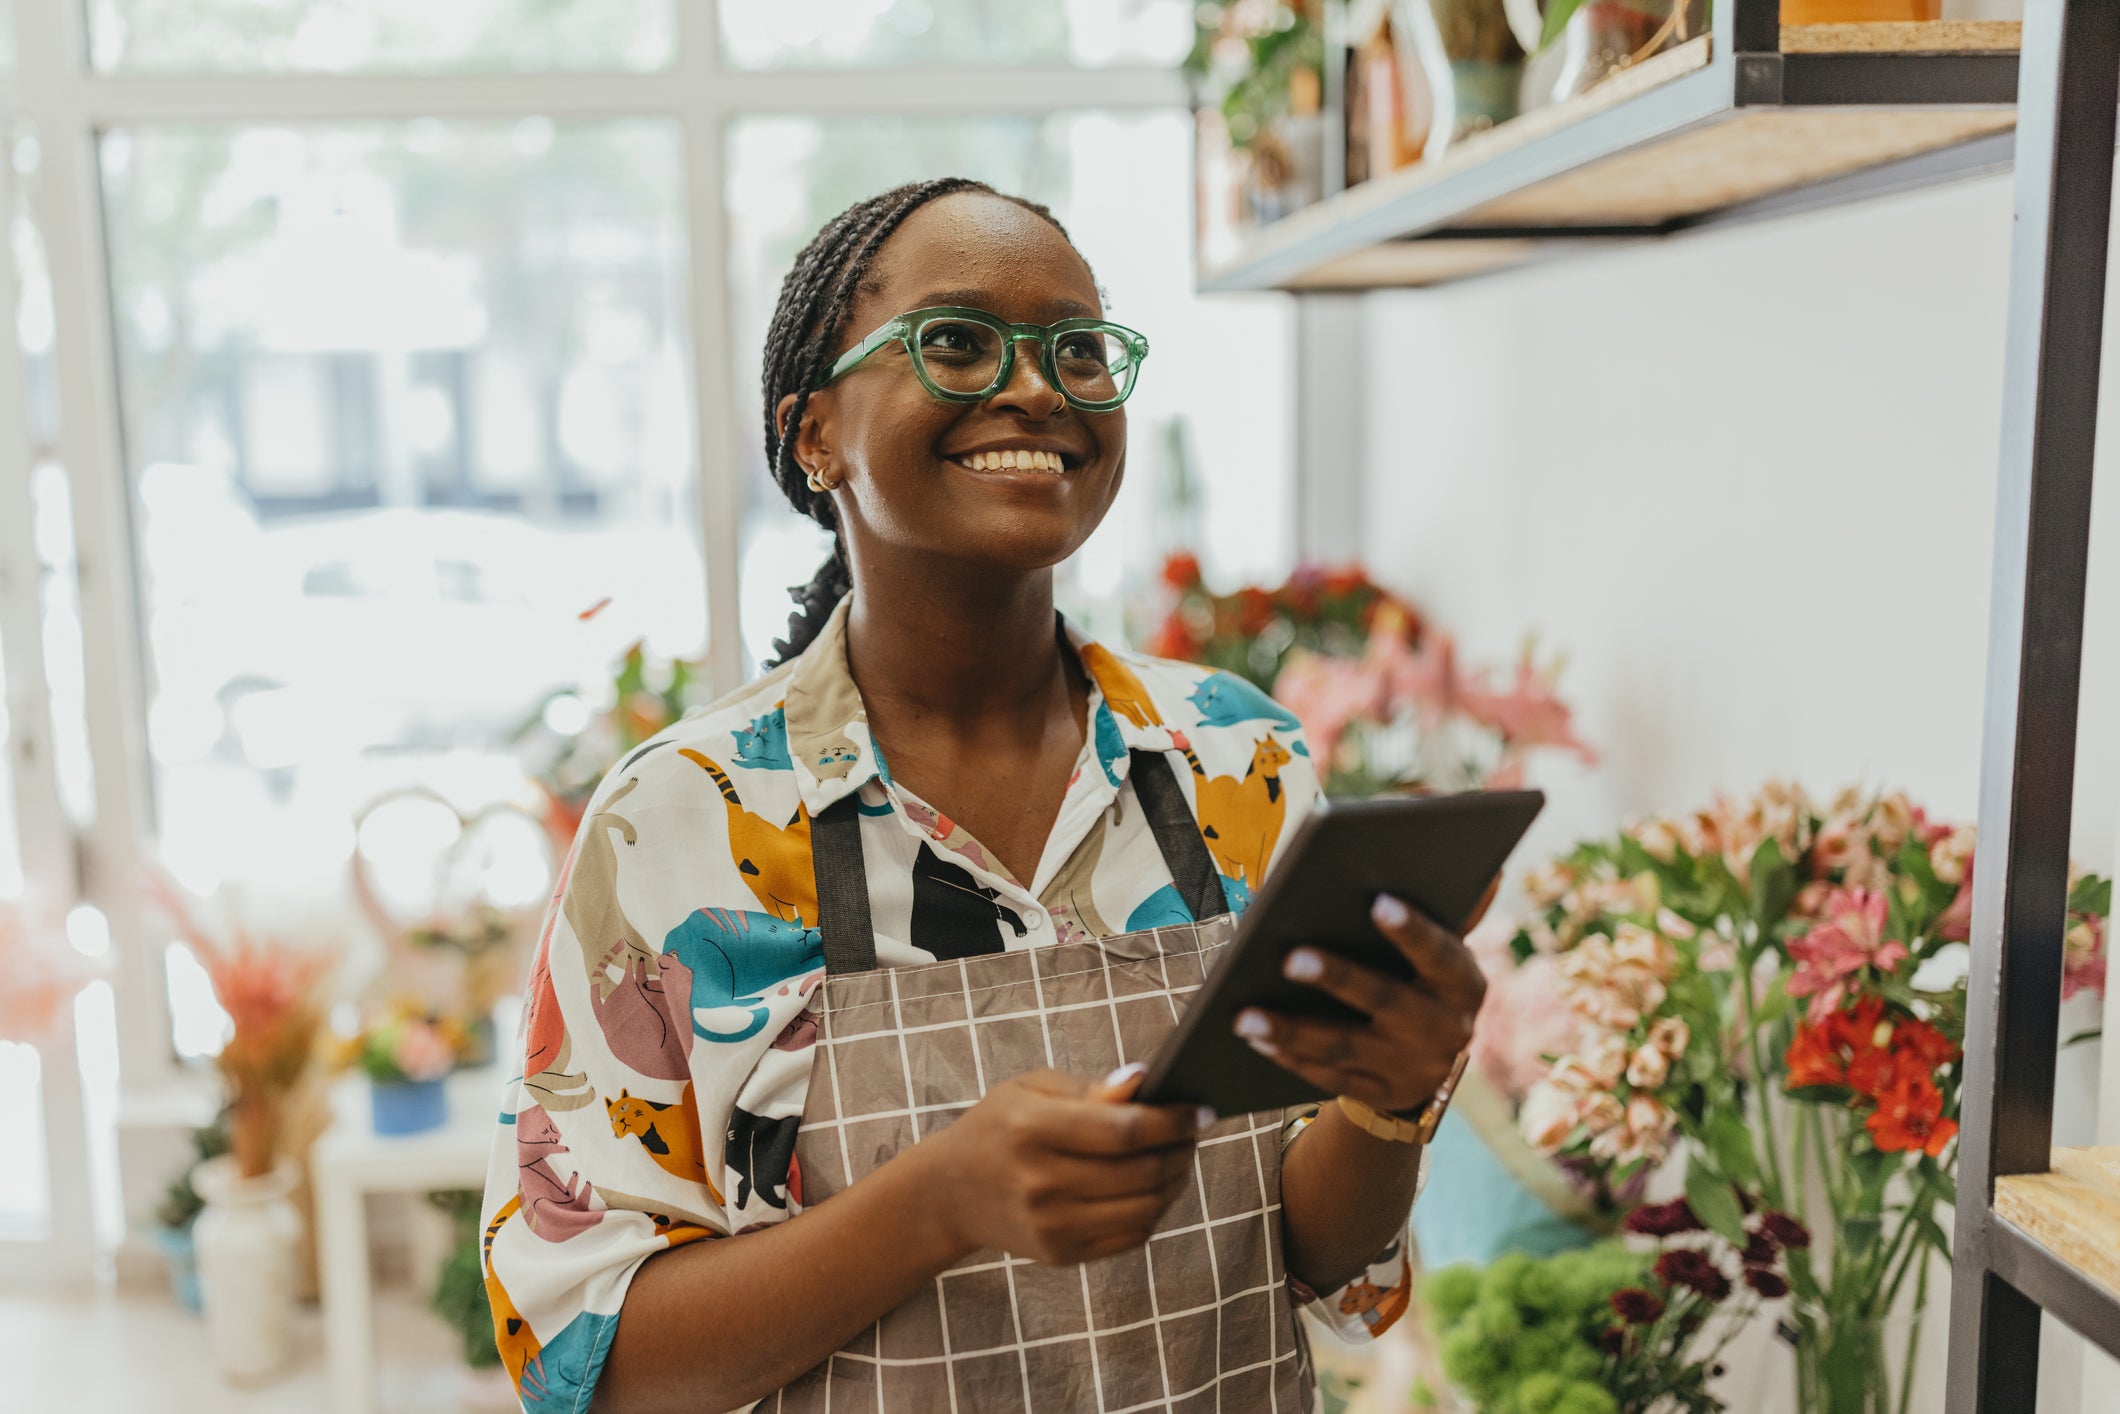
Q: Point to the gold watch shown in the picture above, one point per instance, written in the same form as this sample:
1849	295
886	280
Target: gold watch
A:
1420	1129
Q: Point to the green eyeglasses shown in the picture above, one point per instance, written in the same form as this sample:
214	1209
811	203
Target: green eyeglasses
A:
966	355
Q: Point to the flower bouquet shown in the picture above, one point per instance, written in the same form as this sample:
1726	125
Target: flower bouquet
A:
1615	1328
1778	991
1379	691
406	1055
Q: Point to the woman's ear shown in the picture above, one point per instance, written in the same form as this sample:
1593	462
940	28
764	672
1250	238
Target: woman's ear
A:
812	444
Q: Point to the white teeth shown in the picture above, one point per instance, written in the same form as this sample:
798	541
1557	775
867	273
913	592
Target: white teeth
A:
1015	461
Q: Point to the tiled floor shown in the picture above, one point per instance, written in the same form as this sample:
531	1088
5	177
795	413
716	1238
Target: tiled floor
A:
143	1354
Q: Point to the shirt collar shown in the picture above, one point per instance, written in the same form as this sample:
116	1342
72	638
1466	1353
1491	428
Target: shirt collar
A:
828	727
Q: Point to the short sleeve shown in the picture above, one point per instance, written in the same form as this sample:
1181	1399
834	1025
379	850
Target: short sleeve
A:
657	1076
1372	1302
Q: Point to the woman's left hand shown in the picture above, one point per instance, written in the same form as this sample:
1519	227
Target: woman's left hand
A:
1401	1049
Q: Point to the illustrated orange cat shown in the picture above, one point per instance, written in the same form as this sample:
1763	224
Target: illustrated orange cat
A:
518	1344
669	1132
773	859
1241	816
1121	688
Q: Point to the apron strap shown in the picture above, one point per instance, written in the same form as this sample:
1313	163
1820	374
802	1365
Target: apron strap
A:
842	889
1177	834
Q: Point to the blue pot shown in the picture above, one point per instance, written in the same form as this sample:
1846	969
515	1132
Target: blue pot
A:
1474	1208
177	1250
407	1106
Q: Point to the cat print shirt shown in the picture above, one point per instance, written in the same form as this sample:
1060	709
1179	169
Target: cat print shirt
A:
667	1044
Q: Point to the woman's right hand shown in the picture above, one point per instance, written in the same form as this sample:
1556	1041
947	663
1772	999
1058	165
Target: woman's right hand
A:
1058	1169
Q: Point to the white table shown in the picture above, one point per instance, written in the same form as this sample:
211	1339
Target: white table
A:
351	1161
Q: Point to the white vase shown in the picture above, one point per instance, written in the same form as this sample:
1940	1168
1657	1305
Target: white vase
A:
246	1238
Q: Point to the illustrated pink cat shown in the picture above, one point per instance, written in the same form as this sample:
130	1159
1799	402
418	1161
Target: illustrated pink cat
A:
556	1209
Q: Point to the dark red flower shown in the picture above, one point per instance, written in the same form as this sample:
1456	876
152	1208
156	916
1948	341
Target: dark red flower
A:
1691	1268
1767	1283
1635	1306
1664	1219
1784	1229
1760	1251
1612	1340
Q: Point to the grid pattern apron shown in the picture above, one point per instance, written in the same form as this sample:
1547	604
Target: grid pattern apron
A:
1197	1320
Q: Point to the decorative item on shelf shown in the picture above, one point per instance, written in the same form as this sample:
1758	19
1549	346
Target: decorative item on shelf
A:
1261	64
407	1056
1857	12
1600	37
177	1214
1470	60
568	747
1622	1327
1380	694
1389	104
248	1235
1778	990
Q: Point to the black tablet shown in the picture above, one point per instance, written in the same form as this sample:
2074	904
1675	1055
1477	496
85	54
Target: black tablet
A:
1436	852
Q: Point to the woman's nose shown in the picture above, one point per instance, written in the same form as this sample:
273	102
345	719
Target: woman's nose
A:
1027	389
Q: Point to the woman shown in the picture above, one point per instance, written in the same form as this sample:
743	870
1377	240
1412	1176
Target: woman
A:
879	928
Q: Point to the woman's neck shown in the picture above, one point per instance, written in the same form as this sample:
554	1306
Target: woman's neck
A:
953	645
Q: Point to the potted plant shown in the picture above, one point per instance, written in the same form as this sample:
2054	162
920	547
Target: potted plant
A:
406	1056
179	1210
1258	74
247	1233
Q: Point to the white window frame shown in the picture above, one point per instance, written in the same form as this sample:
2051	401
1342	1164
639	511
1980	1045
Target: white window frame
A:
68	104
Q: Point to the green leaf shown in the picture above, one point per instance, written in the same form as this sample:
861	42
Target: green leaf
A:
1714	1201
1773	882
1730	1141
2091	895
1557	16
2091	1035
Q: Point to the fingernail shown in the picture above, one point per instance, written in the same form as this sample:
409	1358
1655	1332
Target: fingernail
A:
1126	1072
1264	1048
1204	1118
1252	1024
1389	912
1303	965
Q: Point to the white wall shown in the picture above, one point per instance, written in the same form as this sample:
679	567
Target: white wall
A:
1745	479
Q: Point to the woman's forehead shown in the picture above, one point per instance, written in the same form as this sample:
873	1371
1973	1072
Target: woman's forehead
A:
974	249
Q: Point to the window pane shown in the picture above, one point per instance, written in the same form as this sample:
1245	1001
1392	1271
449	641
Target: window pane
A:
859	33
1212	406
401	403
344	36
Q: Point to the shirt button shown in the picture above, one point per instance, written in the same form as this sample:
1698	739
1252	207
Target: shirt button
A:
1033	917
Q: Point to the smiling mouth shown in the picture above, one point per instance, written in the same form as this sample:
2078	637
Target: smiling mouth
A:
1055	463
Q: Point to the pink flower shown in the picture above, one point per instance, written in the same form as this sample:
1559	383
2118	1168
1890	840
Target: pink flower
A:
1327	694
422	1053
1525	1019
1849	938
1527	713
2083	958
1951	856
1955	924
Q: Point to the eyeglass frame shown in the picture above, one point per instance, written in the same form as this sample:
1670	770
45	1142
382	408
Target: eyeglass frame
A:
902	328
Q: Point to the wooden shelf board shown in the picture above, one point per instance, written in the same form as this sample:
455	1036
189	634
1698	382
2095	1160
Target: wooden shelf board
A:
2073	1211
1753	153
1413	263
1912	37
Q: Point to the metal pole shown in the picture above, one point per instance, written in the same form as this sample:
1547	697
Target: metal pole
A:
2068	86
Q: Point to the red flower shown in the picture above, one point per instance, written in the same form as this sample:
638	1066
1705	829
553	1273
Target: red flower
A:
1766	1282
1784	1229
1182	570
1637	1307
1254	611
1663	1219
1612	1340
1813	1059
1691	1268
1924	1043
1910	1116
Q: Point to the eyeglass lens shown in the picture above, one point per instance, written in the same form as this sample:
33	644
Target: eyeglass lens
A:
963	357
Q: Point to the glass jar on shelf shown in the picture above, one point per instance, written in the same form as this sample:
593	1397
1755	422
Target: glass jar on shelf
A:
1601	37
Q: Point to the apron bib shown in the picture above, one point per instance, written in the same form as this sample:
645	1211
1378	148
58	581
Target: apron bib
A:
1199	1319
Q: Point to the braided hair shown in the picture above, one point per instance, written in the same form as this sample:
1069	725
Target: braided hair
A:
809	321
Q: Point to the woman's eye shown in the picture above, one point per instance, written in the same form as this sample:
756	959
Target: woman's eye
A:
950	340
1083	349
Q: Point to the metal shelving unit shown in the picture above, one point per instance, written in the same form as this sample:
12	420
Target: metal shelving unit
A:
2037	1227
1747	121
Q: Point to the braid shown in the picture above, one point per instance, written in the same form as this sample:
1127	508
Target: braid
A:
801	343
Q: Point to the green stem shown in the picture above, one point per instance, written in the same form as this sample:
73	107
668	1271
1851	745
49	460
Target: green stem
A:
1921	1299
